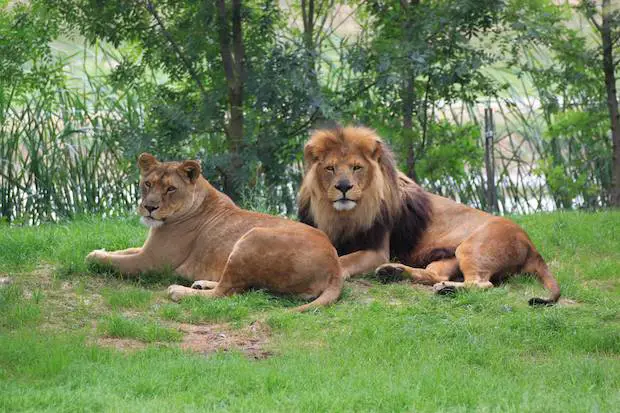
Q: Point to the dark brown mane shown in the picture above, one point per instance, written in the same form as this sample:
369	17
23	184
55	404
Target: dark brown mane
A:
413	220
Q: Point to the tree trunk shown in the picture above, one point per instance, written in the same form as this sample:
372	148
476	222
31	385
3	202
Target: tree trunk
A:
232	51
408	97
310	13
612	100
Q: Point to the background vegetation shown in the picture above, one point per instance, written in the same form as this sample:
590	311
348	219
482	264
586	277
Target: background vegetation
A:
86	85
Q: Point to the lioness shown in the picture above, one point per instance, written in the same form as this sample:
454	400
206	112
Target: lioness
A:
372	212
202	235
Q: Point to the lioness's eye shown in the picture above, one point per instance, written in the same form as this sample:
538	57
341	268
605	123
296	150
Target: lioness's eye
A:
147	184
330	168
356	167
171	189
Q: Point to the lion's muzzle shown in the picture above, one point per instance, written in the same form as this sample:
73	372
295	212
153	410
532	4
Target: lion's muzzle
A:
344	204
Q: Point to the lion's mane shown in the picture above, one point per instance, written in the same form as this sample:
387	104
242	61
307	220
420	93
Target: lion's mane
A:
393	203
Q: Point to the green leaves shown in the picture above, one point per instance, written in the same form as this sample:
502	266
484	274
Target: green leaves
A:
149	76
452	154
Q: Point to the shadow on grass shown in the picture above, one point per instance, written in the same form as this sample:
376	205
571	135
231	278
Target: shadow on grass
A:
196	310
159	278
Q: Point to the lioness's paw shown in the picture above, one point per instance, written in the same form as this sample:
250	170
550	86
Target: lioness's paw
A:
97	256
389	273
176	292
443	289
204	285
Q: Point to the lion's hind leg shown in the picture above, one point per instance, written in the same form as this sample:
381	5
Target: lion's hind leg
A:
434	273
177	292
497	249
448	287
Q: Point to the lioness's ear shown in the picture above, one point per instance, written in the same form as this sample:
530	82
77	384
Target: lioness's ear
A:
146	162
309	156
190	169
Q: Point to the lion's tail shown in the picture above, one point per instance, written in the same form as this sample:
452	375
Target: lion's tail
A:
536	265
329	295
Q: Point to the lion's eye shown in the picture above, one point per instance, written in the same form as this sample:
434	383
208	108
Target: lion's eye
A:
147	184
171	189
356	167
330	168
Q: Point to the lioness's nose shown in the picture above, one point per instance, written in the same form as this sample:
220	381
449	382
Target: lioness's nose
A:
343	186
150	208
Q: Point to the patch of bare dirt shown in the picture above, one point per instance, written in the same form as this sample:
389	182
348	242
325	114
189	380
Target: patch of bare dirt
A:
208	339
42	276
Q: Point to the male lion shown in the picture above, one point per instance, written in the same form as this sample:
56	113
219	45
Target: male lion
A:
202	235
371	212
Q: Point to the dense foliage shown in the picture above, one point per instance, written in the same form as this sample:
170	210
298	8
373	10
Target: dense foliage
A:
87	85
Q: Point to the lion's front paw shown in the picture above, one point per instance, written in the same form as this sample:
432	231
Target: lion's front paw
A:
390	273
442	289
176	292
99	256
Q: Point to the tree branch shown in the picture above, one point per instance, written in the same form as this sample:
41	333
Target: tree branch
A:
343	21
595	23
175	46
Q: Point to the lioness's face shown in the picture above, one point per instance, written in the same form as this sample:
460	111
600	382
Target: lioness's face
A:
167	189
344	177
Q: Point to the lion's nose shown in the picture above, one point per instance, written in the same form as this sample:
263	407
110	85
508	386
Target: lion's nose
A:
150	208
343	186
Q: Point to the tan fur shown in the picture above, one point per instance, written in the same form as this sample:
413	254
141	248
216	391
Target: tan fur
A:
202	235
448	240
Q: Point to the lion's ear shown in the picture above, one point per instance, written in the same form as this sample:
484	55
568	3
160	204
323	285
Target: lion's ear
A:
146	162
309	156
190	169
380	149
384	156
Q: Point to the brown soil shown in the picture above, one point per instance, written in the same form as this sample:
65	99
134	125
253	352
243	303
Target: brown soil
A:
208	339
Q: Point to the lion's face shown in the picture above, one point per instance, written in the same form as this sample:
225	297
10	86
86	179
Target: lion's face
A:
168	189
344	177
344	166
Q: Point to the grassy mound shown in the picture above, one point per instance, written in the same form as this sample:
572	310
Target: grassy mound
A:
72	339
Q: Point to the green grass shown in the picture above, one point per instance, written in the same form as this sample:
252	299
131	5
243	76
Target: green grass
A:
17	311
118	326
380	348
127	298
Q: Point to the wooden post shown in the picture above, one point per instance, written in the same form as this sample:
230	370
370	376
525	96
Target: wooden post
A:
489	133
